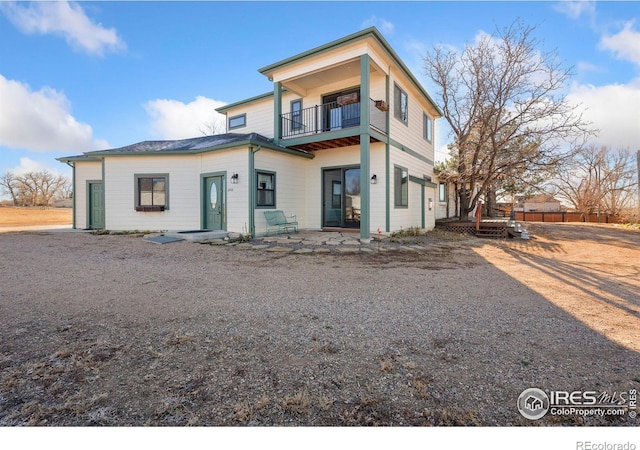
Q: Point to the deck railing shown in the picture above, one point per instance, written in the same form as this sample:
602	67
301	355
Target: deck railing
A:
330	117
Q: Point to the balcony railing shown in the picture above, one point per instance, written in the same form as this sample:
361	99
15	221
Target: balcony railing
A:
330	117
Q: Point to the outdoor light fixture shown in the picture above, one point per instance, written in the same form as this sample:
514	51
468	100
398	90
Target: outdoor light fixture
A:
374	179
234	178
430	204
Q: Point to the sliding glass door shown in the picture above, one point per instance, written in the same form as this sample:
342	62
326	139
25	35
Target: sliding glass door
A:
341	198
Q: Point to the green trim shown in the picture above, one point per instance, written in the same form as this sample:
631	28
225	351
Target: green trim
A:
252	193
136	192
426	120
422	206
78	158
237	145
244	122
398	104
277	112
74	195
387	168
257	98
365	150
203	197
364	34
422	181
413	153
395	194
89	196
104	194
255	188
387	161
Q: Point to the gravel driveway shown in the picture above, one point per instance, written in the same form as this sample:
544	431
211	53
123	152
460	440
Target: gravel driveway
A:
113	330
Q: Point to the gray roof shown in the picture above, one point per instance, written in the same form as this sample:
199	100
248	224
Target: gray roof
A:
189	146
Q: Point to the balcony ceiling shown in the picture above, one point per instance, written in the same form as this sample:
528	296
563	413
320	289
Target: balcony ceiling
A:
331	143
335	74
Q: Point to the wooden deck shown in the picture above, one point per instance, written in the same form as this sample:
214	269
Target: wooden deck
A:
496	228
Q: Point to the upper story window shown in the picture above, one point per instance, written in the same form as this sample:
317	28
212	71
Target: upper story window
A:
401	104
238	121
428	128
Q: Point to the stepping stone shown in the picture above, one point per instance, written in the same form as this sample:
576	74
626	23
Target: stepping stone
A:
321	250
279	249
303	251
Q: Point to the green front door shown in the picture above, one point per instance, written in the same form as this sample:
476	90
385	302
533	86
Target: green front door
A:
214	206
95	207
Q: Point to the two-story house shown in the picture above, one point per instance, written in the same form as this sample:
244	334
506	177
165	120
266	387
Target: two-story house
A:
344	141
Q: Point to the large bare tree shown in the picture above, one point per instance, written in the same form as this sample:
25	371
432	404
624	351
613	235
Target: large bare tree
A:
597	180
35	188
503	99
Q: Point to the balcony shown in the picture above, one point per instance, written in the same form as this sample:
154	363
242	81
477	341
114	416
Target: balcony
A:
333	120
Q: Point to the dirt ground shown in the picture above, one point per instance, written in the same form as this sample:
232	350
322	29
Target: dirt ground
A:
113	330
18	217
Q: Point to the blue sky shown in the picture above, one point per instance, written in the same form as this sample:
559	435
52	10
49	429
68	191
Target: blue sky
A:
81	76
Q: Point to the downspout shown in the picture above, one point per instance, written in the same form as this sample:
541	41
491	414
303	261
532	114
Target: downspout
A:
252	192
73	193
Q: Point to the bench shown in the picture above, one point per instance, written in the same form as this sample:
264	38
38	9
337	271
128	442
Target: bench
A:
277	220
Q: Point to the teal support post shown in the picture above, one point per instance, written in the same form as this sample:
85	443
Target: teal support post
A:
365	165
277	112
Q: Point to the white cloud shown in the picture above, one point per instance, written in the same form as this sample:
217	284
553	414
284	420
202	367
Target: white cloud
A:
41	121
66	19
574	9
613	109
31	165
172	119
625	44
384	26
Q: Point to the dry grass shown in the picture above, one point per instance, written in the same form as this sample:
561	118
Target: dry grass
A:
19	217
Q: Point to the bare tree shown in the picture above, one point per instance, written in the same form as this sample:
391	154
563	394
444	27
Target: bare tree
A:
502	98
597	180
213	127
33	188
10	186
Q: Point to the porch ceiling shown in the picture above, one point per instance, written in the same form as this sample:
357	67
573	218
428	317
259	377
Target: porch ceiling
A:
325	76
331	143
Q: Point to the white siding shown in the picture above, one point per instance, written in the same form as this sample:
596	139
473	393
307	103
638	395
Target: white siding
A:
291	186
84	172
184	190
259	116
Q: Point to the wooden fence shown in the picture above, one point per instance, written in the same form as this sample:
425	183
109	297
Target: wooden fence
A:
565	217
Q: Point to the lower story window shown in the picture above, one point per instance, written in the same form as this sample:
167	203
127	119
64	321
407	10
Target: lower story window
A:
152	192
266	189
401	187
442	192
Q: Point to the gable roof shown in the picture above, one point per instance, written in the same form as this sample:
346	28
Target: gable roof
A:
189	146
